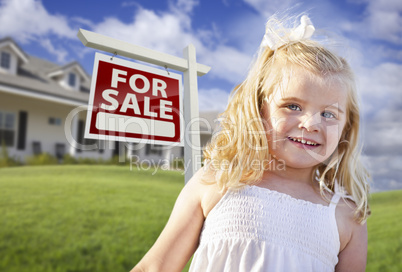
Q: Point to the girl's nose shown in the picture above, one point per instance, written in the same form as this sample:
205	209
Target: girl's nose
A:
310	122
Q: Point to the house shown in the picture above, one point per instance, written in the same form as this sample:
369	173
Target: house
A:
43	109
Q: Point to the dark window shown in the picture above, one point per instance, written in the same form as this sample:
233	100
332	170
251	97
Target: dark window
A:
80	133
119	149
36	148
60	151
80	136
54	121
5	61
22	130
71	79
7	128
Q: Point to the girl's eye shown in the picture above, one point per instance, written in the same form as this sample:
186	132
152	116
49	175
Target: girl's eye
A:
328	115
293	107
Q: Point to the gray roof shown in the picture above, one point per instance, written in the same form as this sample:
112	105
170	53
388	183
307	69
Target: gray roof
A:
9	39
33	76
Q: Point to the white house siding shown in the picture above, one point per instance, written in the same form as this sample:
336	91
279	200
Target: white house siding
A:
38	128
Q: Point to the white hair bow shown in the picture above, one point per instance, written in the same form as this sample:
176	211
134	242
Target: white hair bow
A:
275	39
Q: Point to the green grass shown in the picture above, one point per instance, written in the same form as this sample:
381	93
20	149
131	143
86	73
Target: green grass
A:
81	218
385	232
105	218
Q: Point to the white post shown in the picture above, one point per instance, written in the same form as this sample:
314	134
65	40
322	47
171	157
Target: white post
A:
192	153
74	131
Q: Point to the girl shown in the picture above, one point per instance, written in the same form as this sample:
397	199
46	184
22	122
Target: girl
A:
283	188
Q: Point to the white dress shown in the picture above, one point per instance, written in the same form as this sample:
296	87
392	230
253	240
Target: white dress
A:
256	229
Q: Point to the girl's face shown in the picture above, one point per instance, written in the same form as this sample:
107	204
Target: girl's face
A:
304	123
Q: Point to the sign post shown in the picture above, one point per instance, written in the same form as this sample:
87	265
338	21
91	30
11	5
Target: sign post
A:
190	68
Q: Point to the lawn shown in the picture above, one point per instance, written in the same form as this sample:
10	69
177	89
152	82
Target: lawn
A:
81	218
104	218
385	232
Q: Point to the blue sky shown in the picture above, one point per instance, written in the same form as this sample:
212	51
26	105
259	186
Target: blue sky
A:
227	34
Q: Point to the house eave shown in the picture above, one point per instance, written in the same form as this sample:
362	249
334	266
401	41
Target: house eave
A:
21	55
41	96
75	65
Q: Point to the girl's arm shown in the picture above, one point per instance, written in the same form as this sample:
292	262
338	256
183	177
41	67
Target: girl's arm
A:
353	256
179	239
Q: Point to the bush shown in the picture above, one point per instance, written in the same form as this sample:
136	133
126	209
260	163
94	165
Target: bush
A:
68	159
115	161
47	159
41	159
5	160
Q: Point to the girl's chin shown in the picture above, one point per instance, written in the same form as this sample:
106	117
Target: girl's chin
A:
295	155
299	162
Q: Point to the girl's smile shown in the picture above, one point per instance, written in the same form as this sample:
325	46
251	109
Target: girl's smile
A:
304	142
306	120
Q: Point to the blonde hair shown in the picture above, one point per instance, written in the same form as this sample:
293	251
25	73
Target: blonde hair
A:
242	137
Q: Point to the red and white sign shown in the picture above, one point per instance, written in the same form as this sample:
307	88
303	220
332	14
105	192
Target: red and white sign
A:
134	103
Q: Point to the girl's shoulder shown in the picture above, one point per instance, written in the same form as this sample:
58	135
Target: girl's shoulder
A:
353	237
347	224
205	188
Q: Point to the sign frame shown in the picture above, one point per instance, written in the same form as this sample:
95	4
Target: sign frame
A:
187	64
99	57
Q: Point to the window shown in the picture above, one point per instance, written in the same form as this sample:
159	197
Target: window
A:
80	137
7	130
153	149
60	150
22	130
54	121
71	79
5	61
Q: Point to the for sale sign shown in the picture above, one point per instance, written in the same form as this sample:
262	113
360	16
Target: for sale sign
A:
134	103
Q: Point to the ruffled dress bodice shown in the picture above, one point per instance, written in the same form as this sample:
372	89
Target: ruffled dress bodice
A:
256	229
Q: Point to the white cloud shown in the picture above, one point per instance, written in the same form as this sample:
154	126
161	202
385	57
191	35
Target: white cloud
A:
380	87
389	132
164	33
382	104
83	22
60	53
385	171
382	20
171	31
227	63
385	25
212	100
28	19
186	6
